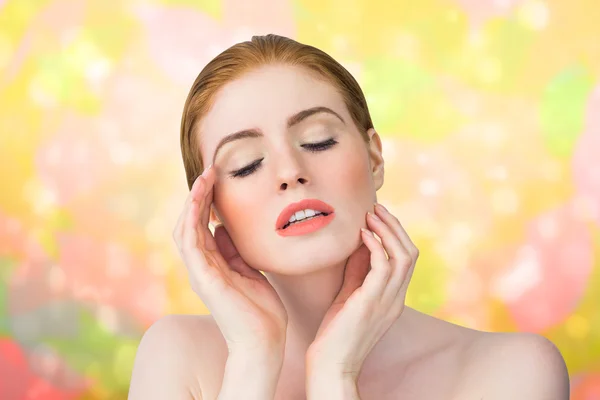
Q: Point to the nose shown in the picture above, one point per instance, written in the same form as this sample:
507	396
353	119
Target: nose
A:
292	183
290	172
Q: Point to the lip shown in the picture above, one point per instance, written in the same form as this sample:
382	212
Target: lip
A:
313	204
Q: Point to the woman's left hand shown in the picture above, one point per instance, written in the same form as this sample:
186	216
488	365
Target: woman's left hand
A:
370	300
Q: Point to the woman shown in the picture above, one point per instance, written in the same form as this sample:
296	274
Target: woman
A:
294	167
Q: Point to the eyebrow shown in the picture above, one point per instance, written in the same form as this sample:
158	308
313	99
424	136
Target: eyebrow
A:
293	120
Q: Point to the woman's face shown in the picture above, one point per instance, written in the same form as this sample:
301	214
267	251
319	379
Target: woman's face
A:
258	176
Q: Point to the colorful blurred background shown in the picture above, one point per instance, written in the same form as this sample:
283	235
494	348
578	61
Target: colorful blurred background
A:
490	114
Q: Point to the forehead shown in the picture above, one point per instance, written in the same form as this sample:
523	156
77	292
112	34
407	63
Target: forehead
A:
264	99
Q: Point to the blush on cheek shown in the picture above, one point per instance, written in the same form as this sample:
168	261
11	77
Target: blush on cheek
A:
355	176
239	209
356	190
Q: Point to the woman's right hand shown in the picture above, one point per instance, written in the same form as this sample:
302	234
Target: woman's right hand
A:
243	303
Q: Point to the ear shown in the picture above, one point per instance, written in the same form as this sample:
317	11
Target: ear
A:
376	157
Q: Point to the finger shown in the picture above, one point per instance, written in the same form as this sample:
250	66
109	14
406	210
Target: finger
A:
203	195
397	228
377	278
407	278
391	243
193	237
178	230
232	256
399	260
190	249
195	255
189	238
396	283
401	233
225	244
210	178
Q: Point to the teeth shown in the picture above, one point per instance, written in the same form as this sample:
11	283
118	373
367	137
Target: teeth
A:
300	215
303	214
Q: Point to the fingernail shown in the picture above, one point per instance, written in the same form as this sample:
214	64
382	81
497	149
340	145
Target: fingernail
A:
375	217
381	208
206	170
195	182
368	232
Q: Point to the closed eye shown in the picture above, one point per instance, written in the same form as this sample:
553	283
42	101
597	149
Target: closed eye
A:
312	147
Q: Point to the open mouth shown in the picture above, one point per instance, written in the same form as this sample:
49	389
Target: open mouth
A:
319	214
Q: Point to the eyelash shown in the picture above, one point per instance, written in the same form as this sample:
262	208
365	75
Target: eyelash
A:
312	147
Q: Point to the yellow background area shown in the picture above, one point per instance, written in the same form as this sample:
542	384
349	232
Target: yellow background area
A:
490	117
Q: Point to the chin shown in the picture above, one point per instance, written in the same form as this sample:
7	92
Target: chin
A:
300	260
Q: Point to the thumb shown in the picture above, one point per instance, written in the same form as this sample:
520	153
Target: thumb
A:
357	268
225	244
232	256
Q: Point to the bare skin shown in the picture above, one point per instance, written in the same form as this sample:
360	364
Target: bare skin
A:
421	357
418	357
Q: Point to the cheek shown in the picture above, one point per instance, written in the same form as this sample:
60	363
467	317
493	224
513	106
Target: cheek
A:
237	207
352	177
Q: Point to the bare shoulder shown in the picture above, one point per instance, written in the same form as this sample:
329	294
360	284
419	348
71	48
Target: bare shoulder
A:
513	365
179	356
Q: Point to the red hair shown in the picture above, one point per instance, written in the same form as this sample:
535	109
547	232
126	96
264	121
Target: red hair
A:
245	56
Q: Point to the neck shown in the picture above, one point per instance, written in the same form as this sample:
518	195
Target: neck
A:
306	299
